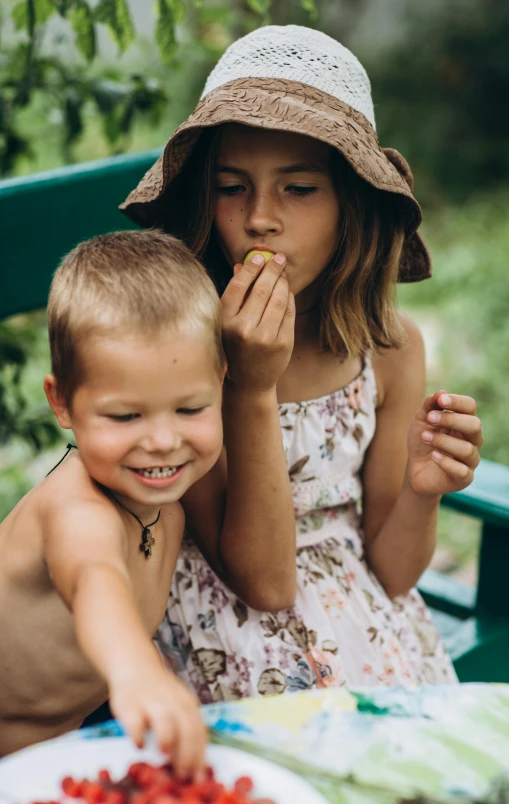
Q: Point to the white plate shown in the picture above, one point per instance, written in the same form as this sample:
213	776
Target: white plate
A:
34	774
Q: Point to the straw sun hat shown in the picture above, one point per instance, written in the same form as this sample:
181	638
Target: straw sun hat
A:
296	79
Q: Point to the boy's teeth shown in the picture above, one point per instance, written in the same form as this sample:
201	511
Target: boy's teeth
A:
162	471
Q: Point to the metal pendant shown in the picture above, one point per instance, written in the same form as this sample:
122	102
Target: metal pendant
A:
147	542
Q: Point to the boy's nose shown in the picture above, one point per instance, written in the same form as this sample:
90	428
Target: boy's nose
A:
262	216
162	439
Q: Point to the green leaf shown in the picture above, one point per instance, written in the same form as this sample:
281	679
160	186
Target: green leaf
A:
82	24
179	10
44	9
73	116
165	30
310	7
29	13
115	15
19	16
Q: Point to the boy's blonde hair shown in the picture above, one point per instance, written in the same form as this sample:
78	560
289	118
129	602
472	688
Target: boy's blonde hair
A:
358	302
141	282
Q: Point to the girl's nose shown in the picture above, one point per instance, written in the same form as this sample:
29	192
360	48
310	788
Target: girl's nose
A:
263	215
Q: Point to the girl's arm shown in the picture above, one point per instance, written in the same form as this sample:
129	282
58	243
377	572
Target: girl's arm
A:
247	533
404	475
84	549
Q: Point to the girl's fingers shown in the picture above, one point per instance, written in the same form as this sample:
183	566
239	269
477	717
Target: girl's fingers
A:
275	310
467	424
461	474
441	400
235	293
263	290
458	449
457	402
286	332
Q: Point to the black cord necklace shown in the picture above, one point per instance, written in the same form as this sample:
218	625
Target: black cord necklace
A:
147	540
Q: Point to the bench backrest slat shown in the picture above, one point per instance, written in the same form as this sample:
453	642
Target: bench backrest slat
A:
45	215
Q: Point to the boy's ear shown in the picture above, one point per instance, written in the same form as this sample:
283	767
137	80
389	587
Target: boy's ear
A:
56	402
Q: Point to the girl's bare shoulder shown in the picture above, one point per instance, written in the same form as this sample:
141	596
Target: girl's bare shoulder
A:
395	369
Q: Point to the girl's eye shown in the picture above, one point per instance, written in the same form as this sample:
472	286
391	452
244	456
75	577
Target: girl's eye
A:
124	417
297	189
190	411
230	189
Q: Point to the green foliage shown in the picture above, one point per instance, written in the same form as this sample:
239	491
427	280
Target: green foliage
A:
29	75
165	29
82	23
19	418
444	87
467	301
115	14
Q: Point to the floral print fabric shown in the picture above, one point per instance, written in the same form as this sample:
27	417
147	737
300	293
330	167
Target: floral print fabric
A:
342	629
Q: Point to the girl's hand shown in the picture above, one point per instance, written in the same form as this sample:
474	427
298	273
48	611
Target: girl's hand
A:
152	698
443	445
258	323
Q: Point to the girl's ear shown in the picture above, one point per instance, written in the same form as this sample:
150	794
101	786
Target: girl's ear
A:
56	402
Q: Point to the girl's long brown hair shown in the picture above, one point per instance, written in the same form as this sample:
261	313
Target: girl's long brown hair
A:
358	305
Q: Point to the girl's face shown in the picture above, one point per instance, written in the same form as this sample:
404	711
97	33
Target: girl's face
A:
274	192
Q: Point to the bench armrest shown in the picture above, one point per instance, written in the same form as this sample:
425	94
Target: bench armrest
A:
487	498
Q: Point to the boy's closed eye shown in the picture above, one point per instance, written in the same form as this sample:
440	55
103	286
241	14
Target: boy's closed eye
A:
192	411
123	417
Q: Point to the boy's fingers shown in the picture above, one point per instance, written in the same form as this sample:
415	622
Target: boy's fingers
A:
468	425
135	725
460	450
459	472
189	749
163	726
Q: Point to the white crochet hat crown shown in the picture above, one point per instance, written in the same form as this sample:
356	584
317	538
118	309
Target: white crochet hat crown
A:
295	53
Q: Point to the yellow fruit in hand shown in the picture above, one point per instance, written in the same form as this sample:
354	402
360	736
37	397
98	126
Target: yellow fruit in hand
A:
267	255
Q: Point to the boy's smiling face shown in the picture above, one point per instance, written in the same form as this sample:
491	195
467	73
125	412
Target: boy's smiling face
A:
146	415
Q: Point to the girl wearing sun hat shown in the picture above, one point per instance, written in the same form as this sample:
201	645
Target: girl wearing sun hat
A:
305	542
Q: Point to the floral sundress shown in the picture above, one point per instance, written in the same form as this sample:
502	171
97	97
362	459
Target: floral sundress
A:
342	629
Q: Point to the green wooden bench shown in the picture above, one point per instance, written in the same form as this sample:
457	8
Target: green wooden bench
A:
44	215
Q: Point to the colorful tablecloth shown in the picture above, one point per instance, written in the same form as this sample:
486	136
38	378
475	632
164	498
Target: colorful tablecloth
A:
379	745
434	745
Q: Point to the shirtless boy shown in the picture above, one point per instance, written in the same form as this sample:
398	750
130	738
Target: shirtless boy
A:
137	370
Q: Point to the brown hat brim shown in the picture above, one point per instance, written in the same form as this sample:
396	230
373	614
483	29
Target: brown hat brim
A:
288	106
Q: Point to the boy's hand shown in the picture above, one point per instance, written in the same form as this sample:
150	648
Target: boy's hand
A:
258	323
443	445
154	699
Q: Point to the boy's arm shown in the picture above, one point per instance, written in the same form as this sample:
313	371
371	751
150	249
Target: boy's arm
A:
84	552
